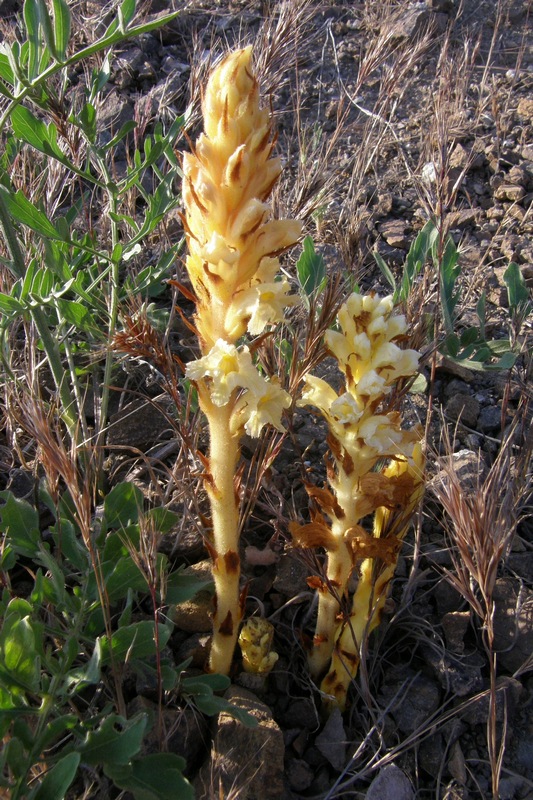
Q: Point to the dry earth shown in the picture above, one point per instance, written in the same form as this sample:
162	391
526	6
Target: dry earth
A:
369	93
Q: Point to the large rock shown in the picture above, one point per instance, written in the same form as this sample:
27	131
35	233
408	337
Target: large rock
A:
247	763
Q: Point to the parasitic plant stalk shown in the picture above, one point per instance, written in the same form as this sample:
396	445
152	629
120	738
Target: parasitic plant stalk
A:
362	435
375	575
234	246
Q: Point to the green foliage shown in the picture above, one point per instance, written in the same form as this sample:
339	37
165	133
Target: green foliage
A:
66	280
53	646
466	345
310	271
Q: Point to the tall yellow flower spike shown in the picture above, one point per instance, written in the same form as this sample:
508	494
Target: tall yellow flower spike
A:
234	246
232	239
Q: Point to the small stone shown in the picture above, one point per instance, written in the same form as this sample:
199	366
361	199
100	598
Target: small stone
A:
513	623
455	625
414	698
140	424
511	787
459	219
518	175
302	713
186	730
508	691
195	615
245	762
292	574
525	108
450	367
194	647
332	741
508	191
454	674
490	419
299	774
431	753
394	233
463	408
391	783
456	764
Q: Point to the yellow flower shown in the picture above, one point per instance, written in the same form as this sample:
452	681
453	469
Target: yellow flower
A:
262	404
318	393
230	233
227	368
261	305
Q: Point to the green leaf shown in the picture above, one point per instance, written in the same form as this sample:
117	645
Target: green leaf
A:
124	575
481	313
6	73
77	314
56	782
211	705
62	22
451	345
180	588
126	128
86	119
206	684
517	291
69	544
116	741
416	258
449	271
32	20
20	523
469	336
310	269
161	520
122	506
126	13
157	776
88	674
18	655
26	213
10	305
387	274
34	132
134	641
100	77
48	29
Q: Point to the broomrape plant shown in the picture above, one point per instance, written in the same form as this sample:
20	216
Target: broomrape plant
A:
232	264
362	436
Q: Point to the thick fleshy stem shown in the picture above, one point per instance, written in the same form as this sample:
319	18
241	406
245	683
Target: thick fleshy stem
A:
372	588
220	486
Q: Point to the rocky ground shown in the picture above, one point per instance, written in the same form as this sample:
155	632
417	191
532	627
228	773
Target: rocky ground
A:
401	110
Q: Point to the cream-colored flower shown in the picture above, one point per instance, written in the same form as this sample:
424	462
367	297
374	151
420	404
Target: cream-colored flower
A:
262	404
227	368
318	393
345	410
371	385
261	305
381	434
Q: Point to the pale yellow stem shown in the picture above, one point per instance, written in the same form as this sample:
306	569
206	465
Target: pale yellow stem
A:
338	570
220	486
368	602
349	636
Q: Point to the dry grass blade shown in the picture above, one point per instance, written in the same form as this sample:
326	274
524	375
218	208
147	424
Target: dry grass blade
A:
481	525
